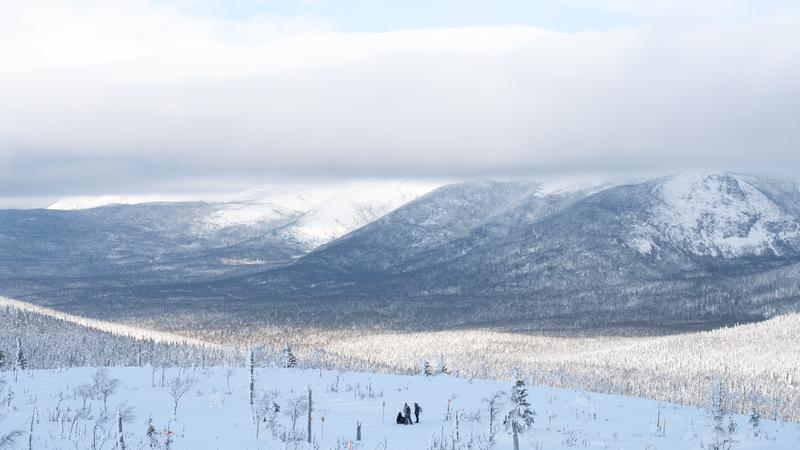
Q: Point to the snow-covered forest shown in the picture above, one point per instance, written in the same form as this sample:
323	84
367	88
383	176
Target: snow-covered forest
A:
758	383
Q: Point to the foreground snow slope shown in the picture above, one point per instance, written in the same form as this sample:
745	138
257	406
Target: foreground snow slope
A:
211	416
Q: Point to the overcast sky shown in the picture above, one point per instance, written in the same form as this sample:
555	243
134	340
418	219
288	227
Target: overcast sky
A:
142	96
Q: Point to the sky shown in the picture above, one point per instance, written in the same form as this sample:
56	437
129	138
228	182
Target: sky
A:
142	96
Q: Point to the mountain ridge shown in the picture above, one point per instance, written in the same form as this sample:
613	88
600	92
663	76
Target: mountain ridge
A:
683	248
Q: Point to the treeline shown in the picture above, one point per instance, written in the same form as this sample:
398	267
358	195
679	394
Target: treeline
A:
757	362
48	342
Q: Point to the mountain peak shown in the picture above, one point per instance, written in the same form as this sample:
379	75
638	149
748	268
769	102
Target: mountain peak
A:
717	214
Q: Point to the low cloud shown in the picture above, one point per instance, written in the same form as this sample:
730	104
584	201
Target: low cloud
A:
96	100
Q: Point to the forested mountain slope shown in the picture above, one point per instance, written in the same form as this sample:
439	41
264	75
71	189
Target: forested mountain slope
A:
680	250
686	247
117	241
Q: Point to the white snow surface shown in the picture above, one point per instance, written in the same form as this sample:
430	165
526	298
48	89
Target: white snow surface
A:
88	202
716	214
320	214
585	184
338	214
211	416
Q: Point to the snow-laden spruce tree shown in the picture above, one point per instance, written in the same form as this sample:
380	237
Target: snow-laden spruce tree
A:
152	434
520	415
755	421
722	425
21	362
441	367
287	358
426	369
755	416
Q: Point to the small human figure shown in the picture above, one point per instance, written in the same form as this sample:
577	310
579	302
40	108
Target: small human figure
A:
417	410
400	420
407	412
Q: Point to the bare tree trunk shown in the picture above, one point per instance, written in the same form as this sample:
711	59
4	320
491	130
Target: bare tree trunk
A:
252	378
30	433
121	434
516	437
309	414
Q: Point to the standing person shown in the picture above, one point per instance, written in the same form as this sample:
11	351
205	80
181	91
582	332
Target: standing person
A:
407	411
417	410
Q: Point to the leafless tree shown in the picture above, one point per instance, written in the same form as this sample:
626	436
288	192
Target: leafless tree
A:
266	411
177	389
124	415
104	386
228	374
296	407
9	440
493	405
85	392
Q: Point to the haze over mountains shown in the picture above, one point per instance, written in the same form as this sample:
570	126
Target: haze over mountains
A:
121	235
676	250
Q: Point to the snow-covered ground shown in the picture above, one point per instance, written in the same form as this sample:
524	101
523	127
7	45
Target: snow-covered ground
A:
213	416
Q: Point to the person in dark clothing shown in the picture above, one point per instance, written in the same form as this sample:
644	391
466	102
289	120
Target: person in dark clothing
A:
400	420
417	410
407	412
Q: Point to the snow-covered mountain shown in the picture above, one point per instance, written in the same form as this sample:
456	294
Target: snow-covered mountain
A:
123	240
696	246
319	214
307	215
682	246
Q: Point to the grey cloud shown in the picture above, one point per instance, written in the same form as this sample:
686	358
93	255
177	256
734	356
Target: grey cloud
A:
500	101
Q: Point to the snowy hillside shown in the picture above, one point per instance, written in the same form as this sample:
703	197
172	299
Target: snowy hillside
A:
212	411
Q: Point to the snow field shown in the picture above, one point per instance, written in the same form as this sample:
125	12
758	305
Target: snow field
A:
210	416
